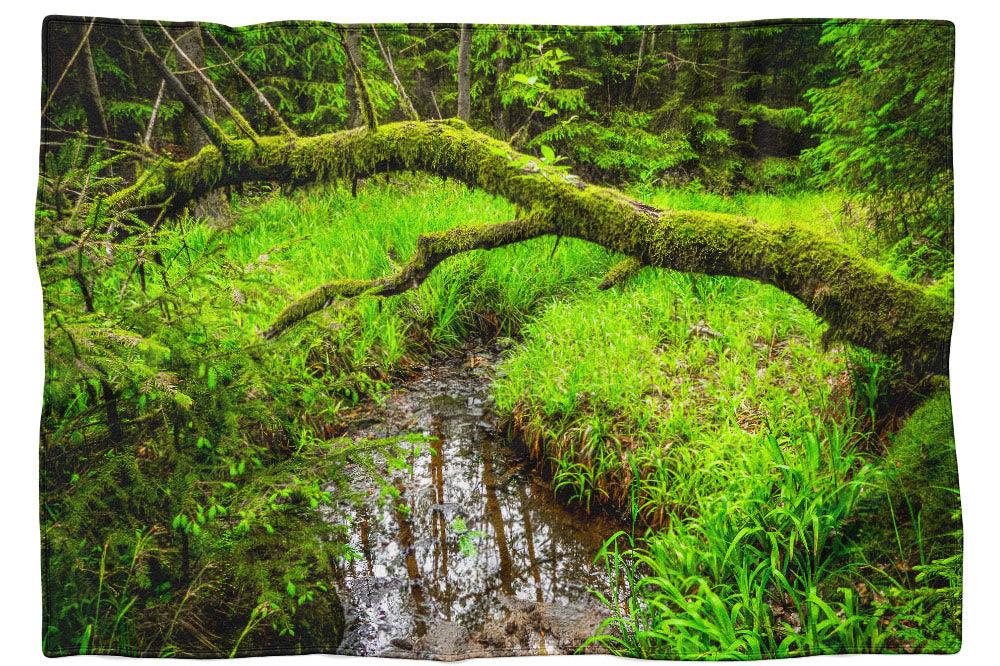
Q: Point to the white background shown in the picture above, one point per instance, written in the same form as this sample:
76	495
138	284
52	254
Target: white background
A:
974	355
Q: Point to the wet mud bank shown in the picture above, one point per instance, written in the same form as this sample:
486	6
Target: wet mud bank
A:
466	551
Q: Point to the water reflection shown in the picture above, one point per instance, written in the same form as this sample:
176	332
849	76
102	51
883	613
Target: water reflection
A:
474	556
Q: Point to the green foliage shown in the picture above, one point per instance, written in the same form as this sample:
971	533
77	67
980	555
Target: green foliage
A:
184	471
918	487
780	175
203	451
757	571
884	124
621	148
466	538
303	72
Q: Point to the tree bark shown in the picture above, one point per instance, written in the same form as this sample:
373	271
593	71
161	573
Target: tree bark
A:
464	72
191	44
97	123
863	303
352	48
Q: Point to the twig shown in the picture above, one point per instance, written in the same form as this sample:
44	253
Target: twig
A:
241	122
72	59
152	116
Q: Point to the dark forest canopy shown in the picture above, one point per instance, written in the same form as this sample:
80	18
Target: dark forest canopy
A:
624	103
759	106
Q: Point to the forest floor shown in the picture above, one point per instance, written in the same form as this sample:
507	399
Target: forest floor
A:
705	410
769	500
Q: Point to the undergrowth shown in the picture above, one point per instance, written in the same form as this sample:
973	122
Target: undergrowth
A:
758	469
183	455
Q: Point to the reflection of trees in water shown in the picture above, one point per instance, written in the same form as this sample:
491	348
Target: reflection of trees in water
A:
439	524
415	574
529	538
494	515
408	545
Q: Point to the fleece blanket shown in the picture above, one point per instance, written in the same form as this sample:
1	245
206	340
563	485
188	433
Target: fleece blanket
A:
454	340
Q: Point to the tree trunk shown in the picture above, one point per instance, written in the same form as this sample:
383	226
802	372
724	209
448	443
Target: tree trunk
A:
191	43
464	72
212	204
197	67
353	45
500	119
195	112
97	123
638	63
863	303
722	77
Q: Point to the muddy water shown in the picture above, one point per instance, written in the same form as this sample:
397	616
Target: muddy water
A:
475	556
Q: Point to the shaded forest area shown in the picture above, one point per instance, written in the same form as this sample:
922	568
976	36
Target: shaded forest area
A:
719	258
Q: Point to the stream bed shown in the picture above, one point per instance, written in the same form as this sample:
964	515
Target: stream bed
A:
475	556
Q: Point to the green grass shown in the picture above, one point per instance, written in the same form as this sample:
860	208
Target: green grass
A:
704	407
708	409
643	395
325	234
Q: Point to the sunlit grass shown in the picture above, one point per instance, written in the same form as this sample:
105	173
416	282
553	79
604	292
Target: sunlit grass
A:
288	245
706	407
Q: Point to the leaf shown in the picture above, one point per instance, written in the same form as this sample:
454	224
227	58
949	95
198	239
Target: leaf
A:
85	639
182	399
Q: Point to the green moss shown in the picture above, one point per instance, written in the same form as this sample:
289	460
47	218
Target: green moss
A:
432	249
620	272
316	300
865	304
921	470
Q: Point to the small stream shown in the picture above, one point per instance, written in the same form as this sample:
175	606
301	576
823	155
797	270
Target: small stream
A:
482	560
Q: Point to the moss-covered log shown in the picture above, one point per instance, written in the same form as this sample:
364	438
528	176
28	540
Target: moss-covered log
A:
862	302
620	273
432	249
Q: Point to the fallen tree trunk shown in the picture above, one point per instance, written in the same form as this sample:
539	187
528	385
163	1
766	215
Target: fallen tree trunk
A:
863	303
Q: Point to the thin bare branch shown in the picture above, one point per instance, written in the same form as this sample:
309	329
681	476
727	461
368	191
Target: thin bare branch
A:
72	59
241	122
210	127
147	137
404	98
275	116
